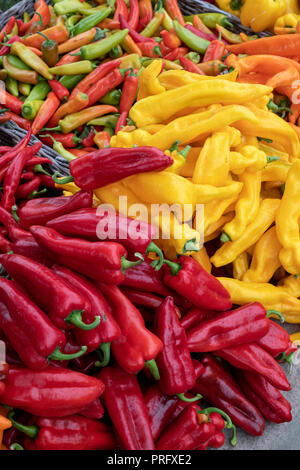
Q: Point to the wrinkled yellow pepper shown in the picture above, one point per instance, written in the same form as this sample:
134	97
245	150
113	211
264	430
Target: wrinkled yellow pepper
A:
203	259
240	266
148	83
249	158
276	171
214	210
231	6
172	79
261	14
289	20
292	285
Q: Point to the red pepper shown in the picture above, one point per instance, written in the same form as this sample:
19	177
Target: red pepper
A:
102	140
93	224
145	12
142	299
41	211
13	152
103	261
61	91
65	306
138	38
133	18
26	189
5	245
10	102
6	49
253	358
129	92
188	278
33	336
54	392
89	140
137	346
219	388
170	39
30	248
150	49
177	373
190	66
47	181
108	330
243	325
42	9
202	34
101	87
34	161
107	166
195	316
276	341
125	404
268	399
215	51
93	411
176	53
14	231
27	176
174	11
13	175
95	76
21	122
188	432
68	140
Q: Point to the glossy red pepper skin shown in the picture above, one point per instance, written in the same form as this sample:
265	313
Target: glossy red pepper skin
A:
93	411
137	344
106	166
220	389
95	76
68	140
253	358
97	260
189	65
47	289
103	86
29	248
26	189
89	140
142	299
186	432
129	93
54	392
243	325
71	433
108	330
145	12
197	285
133	18
215	51
61	91
42	336
42	210
268	399
4	367
126	407
138	38
11	153
276	341
196	316
175	54
177	373
5	245
85	222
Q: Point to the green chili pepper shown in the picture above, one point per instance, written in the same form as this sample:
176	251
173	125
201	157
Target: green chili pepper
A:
116	52
211	20
90	22
110	120
26	17
83	67
167	21
71	21
25	89
12	86
194	57
194	42
112	97
39	92
229	36
100	49
152	26
31	108
109	130
49	50
70	81
16	62
69	6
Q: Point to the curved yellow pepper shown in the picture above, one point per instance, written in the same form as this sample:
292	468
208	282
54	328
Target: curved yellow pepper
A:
203	259
261	14
148	83
292	285
271	297
276	171
289	20
159	108
265	259
214	230
240	265
287	221
231	250
250	159
124	139
214	210
172	79
234	8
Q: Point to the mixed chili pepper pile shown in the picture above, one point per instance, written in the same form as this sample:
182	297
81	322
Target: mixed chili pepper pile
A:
113	343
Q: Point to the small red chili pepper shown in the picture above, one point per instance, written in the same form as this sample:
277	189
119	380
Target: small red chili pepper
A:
6	49
190	66
268	399
219	388
41	211
54	392
14	231
138	38
89	140
19	120
133	18
175	54
68	140
142	299
27	176
125	404
47	181
13	152
97	74
215	51
105	85
61	91
145	12
7	28
26	189
150	49
66	307
276	341
174	11
137	347
41	16
10	102
253	358
170	39
129	92
34	161
202	33
85	257
5	245
46	112
189	279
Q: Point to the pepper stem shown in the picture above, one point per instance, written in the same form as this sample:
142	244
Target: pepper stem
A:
75	318
184	153
288	359
57	355
126	264
40	169
278	314
36	193
52	129
152	366
191	245
153	248
66	180
48	42
229	423
189	400
272	159
104	355
16	446
14	213
174	267
225	238
30	431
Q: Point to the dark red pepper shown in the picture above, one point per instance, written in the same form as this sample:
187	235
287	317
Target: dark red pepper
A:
89	140
276	341
30	248
61	91
27	189
189	65
93	411
126	407
5	245
142	299
138	38
195	316
129	93
68	140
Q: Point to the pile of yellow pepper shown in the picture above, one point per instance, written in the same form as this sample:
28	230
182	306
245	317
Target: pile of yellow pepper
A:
261	15
242	166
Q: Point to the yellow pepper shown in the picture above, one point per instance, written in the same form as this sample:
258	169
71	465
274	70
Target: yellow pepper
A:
292	285
247	206
203	259
240	266
233	7
287	221
250	159
276	171
129	139
271	152
212	166
206	193
265	259
292	6
261	14
193	126
158	108
271	297
214	210
69	187
148	83
231	250
295	338
287	21
179	237
172	79
214	230
179	160
188	169
271	127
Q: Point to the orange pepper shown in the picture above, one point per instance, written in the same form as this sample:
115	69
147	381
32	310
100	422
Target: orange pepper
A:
58	33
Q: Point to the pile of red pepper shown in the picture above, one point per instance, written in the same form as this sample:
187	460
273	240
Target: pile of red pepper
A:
109	344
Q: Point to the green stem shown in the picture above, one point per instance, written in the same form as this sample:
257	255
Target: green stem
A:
175	267
272	159
225	238
184	153
66	180
152	366
229	423
75	318
191	245
153	248
57	355
40	169
278	314
16	446
36	193
189	400
104	355
126	264
14	210
30	431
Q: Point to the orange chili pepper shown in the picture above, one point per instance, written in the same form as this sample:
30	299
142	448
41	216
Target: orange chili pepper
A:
130	46
70	59
102	139
8	28
79	102
77	41
47	110
174	11
36	51
282	45
170	39
58	33
42	14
